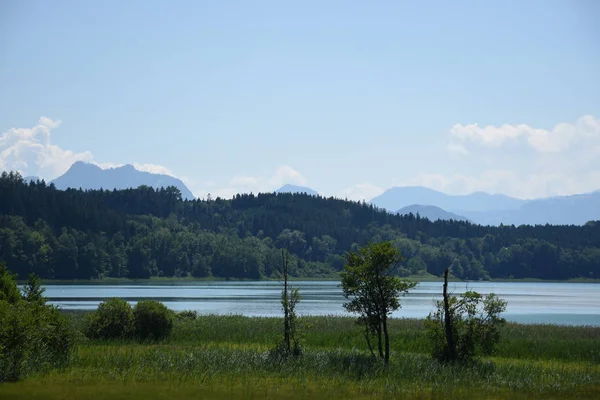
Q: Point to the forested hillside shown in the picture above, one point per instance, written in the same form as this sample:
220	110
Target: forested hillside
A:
143	232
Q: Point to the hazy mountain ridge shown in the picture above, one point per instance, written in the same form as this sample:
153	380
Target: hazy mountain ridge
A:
479	207
399	197
90	176
495	209
432	213
296	189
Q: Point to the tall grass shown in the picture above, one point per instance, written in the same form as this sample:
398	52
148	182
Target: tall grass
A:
228	356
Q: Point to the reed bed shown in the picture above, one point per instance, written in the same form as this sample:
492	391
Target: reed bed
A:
229	357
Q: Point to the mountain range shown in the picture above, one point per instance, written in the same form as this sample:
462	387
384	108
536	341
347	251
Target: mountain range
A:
479	207
495	209
484	208
432	213
90	176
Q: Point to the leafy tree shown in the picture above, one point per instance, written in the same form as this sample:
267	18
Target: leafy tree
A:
9	291
153	320
33	292
368	282
33	335
462	328
112	320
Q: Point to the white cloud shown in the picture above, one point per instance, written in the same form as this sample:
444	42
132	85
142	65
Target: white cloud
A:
360	192
30	151
526	185
520	160
154	169
560	138
287	174
49	123
251	184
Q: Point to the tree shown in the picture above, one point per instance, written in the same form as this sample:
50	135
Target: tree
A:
368	282
461	329
33	292
289	298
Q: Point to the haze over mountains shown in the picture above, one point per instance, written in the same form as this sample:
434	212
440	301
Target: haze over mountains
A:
479	207
432	213
488	209
296	189
90	176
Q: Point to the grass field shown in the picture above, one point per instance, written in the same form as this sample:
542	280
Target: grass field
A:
226	357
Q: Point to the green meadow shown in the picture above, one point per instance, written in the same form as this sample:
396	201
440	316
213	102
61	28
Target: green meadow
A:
224	357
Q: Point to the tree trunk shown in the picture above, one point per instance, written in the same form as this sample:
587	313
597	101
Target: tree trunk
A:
386	336
286	318
369	342
448	320
379	341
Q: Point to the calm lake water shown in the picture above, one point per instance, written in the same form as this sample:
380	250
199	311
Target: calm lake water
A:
554	303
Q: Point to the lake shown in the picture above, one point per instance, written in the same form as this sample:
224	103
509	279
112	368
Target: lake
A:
528	302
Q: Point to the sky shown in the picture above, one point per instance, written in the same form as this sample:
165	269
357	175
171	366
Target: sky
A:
346	97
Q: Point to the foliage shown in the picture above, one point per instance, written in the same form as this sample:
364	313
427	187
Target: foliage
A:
33	292
137	233
373	291
113	319
9	292
465	327
153	320
231	361
33	335
289	298
187	315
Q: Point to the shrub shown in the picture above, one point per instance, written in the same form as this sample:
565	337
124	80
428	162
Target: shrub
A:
152	320
112	320
187	315
474	321
33	335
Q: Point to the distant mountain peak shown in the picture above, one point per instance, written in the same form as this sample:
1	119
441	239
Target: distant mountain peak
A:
90	176
399	197
432	213
296	189
83	164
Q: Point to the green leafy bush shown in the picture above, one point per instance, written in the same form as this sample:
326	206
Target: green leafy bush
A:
112	320
33	335
475	322
152	320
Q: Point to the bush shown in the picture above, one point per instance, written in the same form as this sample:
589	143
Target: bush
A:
475	322
187	315
33	335
152	320
112	320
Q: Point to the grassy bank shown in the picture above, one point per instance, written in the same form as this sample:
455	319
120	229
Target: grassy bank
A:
228	356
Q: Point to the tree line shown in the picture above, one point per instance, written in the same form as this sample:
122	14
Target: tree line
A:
144	232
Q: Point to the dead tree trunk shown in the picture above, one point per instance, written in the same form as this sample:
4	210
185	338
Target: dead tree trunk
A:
286	306
448	320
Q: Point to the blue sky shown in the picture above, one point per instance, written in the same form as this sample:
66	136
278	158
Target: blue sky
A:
347	97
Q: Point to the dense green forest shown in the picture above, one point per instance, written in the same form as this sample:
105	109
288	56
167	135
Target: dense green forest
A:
143	232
